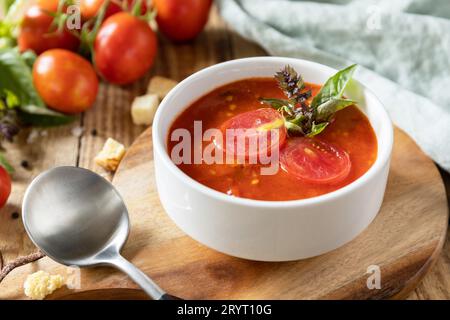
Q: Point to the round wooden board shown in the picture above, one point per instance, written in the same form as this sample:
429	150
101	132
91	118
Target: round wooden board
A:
404	241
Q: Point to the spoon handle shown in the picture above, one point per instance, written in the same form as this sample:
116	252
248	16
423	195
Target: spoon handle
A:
147	284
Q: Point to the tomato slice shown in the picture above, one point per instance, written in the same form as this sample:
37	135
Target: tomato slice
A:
315	161
264	126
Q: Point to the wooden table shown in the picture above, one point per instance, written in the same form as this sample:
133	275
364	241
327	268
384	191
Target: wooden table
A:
110	117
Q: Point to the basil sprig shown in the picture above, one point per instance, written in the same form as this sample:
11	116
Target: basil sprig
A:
310	119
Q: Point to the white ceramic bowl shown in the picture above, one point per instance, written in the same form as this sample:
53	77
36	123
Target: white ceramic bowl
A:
268	230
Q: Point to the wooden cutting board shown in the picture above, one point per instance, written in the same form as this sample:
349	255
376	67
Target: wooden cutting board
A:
404	241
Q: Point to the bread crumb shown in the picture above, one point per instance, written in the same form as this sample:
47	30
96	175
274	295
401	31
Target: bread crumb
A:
40	284
111	155
144	108
160	86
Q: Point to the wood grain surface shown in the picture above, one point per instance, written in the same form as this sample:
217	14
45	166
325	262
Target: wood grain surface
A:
404	241
110	117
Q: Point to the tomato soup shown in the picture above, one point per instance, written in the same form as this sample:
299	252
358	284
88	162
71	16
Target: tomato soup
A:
348	145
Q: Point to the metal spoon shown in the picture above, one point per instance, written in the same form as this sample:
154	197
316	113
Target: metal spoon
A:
78	218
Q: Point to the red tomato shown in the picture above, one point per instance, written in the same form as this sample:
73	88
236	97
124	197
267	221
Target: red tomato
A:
36	31
65	81
5	186
125	48
315	161
182	20
255	126
89	8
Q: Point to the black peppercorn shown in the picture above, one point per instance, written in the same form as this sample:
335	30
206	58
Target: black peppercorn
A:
25	164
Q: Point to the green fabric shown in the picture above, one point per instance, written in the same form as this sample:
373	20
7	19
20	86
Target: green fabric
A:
402	46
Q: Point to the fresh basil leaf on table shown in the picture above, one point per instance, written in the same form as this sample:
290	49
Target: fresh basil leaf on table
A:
39	116
5	164
29	57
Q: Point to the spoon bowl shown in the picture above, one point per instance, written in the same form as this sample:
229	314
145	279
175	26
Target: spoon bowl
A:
72	215
76	217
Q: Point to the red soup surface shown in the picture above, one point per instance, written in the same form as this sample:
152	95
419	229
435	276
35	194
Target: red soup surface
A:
350	137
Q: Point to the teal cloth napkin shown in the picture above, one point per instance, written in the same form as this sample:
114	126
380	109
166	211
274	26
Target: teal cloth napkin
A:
402	46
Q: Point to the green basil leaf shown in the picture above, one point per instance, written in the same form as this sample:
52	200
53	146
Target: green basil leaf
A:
274	103
292	127
5	164
326	110
43	117
288	109
317	128
11	99
299	118
334	87
15	76
29	57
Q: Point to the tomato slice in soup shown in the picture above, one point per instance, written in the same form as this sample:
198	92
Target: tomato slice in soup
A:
315	161
254	133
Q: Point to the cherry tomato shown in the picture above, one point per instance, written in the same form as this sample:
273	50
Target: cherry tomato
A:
90	8
254	126
65	81
182	20
36	31
5	186
315	161
125	48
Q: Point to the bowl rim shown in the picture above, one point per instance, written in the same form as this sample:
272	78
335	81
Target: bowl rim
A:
376	168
